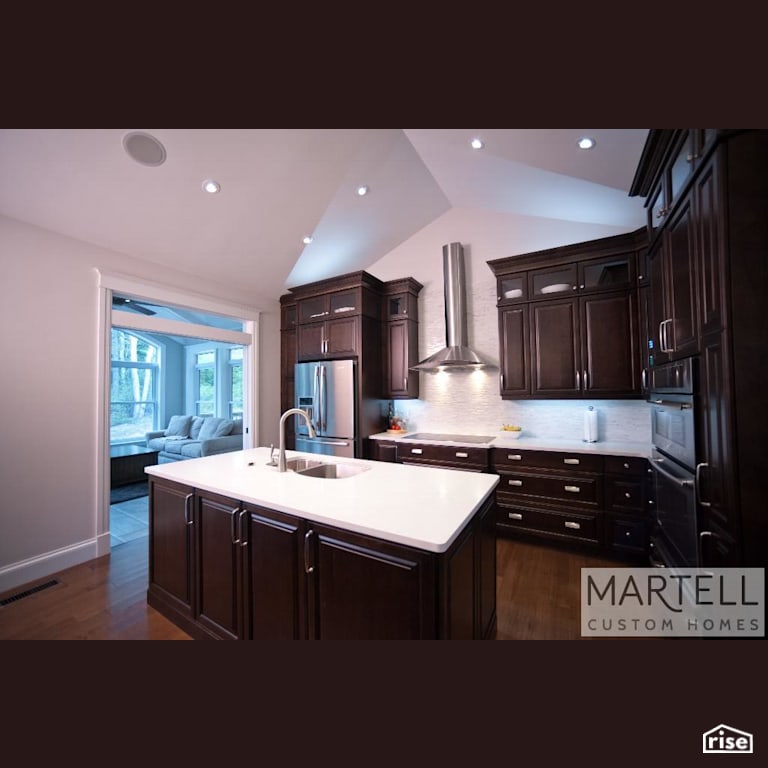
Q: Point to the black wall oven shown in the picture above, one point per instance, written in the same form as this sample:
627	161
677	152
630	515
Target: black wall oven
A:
674	540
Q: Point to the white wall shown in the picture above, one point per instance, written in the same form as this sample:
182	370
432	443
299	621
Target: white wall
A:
48	391
469	402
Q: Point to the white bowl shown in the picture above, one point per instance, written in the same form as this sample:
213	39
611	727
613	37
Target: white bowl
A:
513	294
511	434
556	288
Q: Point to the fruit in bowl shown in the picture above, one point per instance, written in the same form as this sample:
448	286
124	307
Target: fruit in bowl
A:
512	430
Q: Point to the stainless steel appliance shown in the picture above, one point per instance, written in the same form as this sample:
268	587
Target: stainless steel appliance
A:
674	540
327	391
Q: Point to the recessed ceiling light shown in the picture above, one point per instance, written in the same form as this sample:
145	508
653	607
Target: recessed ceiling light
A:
211	186
476	144
362	191
307	239
586	142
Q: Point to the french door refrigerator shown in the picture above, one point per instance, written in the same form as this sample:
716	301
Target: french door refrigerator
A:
327	391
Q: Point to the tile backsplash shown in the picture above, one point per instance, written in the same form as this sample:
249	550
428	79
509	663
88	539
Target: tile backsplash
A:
468	402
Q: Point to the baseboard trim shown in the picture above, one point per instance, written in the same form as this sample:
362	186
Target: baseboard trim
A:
26	571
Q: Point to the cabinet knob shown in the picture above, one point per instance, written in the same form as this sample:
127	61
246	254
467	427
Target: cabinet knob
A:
626	465
628	495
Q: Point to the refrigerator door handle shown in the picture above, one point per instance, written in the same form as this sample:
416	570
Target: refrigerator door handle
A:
323	400
315	398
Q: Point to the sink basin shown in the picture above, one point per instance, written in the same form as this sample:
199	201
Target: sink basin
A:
332	471
299	465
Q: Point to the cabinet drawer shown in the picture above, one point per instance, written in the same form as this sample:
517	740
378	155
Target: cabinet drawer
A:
443	455
625	495
513	458
560	489
582	526
626	465
627	533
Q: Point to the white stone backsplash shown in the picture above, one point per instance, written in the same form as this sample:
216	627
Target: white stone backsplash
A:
468	402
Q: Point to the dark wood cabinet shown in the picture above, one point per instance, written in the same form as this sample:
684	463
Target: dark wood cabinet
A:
330	339
708	263
555	349
401	341
171	567
274	584
366	589
222	569
514	341
400	338
217	585
588	500
568	321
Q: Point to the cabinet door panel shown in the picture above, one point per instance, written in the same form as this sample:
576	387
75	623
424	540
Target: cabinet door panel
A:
515	352
170	558
401	345
341	336
217	578
555	350
365	589
709	229
682	275
275	583
309	341
609	350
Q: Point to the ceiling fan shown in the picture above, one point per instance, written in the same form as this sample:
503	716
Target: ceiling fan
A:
131	305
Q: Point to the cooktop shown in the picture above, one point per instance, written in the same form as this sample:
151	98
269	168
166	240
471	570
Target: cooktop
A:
449	438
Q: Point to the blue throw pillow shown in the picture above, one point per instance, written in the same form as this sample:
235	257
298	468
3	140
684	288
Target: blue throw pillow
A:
179	426
213	426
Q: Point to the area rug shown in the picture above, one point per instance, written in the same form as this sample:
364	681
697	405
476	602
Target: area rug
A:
128	492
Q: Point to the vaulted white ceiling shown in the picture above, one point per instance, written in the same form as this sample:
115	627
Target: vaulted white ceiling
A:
278	185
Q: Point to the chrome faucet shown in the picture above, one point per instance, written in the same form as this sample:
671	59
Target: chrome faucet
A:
291	412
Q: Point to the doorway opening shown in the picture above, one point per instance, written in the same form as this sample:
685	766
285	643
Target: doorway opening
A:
166	358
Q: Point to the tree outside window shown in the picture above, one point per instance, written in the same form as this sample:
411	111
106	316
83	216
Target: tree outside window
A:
135	371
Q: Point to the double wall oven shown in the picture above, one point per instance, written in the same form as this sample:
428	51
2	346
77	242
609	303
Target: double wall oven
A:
674	540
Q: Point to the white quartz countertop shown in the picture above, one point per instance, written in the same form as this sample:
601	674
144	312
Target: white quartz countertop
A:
501	440
422	507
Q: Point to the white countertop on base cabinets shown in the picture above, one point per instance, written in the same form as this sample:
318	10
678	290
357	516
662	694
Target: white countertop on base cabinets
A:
501	440
421	507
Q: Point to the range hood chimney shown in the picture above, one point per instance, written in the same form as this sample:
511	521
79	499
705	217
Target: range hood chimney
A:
456	353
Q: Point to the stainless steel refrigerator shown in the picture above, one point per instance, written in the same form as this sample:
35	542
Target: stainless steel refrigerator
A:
327	391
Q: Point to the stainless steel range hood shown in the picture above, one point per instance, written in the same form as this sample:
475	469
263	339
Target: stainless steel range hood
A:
456	353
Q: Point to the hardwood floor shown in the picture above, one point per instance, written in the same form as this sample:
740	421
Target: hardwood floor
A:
103	599
538	598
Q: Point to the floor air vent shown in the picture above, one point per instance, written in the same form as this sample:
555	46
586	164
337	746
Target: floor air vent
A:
28	592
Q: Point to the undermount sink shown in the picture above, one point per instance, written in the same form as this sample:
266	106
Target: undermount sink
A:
314	468
300	465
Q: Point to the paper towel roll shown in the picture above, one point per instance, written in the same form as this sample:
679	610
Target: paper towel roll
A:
590	425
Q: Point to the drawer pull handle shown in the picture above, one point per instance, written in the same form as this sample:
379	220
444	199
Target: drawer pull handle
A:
417	451
514	457
516	482
575	526
461	455
572	488
570	461
514	516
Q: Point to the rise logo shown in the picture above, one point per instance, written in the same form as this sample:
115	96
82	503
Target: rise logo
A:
724	740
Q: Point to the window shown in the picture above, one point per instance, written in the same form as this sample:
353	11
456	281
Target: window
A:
205	383
236	383
135	372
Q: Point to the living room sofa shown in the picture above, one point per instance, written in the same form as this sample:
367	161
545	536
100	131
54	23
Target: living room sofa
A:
190	437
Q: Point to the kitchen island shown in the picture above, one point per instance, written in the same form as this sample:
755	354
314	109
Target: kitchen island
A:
238	550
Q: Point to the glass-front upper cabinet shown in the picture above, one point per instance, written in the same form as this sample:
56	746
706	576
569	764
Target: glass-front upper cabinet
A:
553	282
607	274
328	305
512	288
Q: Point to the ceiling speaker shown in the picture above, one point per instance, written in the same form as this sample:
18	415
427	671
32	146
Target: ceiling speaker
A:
143	148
